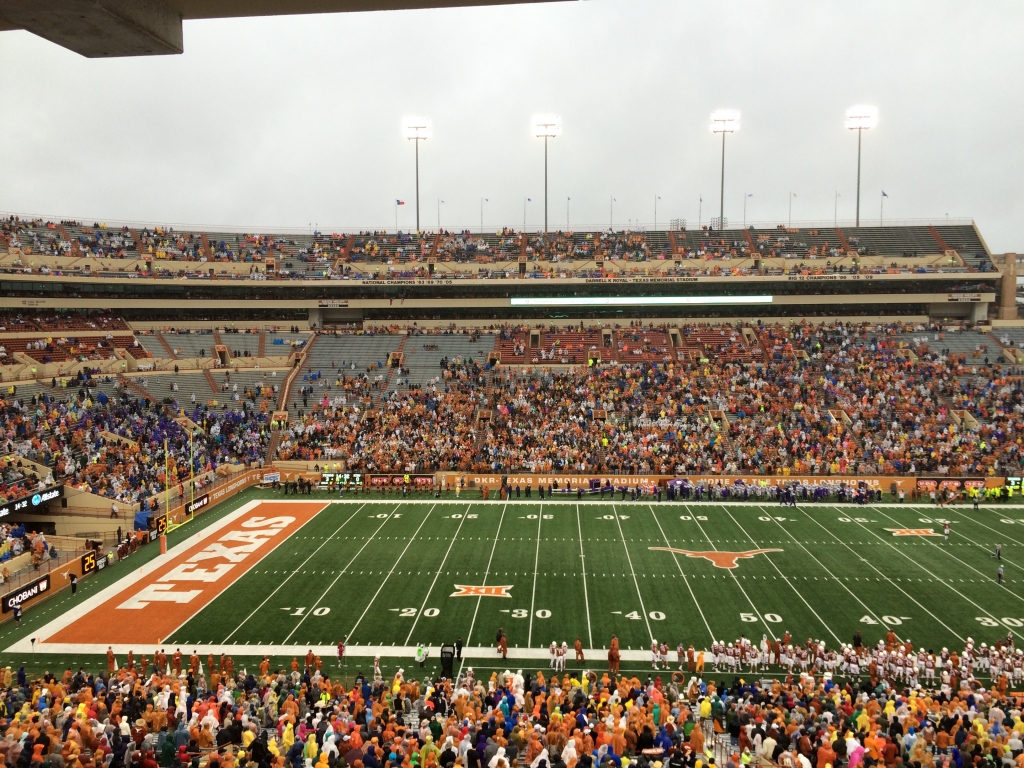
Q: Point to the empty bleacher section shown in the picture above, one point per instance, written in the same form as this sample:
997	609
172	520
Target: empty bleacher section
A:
363	357
423	355
199	344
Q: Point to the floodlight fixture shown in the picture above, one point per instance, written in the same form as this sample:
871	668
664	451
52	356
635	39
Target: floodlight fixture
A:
546	126
860	119
417	129
724	121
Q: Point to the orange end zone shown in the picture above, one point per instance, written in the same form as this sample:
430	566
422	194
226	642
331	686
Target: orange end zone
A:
148	609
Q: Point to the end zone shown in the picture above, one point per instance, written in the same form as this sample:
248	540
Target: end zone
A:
148	604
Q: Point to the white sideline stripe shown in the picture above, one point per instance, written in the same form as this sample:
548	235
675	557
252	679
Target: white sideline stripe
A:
130	578
329	653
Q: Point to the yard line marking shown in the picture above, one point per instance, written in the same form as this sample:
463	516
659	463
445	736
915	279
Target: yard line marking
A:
836	578
948	583
949	554
583	564
797	591
737	581
990	549
872	567
439	569
1001	516
686	581
341	573
497	535
385	581
635	582
536	564
289	576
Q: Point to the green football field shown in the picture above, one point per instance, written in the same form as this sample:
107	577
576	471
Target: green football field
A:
385	574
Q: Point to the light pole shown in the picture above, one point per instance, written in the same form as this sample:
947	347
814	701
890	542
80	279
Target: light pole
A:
859	119
724	121
546	127
745	196
417	129
835	210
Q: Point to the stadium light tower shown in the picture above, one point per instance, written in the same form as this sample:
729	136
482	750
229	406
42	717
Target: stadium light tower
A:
724	121
859	119
417	129
546	127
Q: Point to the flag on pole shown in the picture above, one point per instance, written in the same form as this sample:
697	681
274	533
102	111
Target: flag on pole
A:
883	193
750	194
399	202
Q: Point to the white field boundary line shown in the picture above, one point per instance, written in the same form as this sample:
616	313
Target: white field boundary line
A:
771	631
788	581
838	581
892	583
281	583
133	577
487	571
945	582
686	579
598	656
636	583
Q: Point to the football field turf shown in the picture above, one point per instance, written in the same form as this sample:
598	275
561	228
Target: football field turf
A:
386	575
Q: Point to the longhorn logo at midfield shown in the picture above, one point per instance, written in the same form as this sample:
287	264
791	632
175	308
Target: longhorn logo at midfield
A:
720	559
465	591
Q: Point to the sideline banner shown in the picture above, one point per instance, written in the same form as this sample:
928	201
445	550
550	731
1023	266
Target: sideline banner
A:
397	481
875	482
24	594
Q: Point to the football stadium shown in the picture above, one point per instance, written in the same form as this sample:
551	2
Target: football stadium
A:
508	493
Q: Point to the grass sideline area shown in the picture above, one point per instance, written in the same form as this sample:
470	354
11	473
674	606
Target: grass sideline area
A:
383	571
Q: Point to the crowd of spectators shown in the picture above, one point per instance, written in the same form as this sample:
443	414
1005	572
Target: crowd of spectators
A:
116	447
402	255
156	713
830	399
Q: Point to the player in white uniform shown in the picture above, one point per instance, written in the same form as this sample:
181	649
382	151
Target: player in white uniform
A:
654	654
663	654
551	654
560	657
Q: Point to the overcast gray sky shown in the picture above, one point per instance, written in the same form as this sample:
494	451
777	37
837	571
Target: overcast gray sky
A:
287	121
